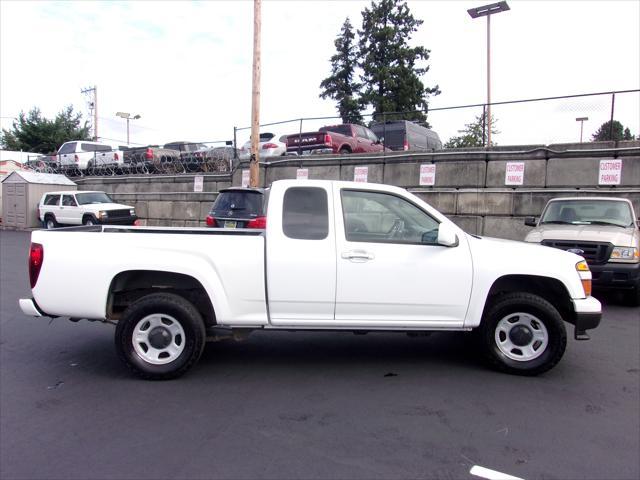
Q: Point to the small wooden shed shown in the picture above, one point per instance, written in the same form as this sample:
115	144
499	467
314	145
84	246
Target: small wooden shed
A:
21	192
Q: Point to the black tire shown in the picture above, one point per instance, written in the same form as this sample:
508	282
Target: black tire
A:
537	311
89	220
50	222
632	297
345	151
167	306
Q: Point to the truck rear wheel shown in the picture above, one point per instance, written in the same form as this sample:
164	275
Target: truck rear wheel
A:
523	334
160	336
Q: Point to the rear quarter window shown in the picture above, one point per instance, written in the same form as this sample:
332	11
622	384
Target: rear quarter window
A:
51	200
305	213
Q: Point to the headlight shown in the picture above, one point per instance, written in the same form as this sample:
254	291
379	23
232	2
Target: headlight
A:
624	254
102	214
132	212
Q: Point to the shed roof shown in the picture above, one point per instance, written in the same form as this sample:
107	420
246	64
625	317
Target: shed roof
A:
35	177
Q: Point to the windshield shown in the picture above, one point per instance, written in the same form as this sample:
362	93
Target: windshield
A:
588	212
93	197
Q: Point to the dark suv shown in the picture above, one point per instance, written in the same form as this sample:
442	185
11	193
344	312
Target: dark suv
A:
239	207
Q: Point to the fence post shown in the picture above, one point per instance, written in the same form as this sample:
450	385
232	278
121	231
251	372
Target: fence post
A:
484	125
613	102
235	143
300	138
384	134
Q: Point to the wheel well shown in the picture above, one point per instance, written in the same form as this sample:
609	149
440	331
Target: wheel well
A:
127	287
345	148
88	215
551	289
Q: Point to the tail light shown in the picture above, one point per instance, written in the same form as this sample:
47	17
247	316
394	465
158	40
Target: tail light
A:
211	222
116	156
258	222
327	139
267	146
36	256
405	144
149	153
76	159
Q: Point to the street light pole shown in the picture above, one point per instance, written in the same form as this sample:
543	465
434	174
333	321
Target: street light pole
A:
581	120
127	116
487	11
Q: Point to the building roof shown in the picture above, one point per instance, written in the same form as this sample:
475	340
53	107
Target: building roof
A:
35	177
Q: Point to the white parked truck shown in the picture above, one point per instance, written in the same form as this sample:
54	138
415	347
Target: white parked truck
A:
339	256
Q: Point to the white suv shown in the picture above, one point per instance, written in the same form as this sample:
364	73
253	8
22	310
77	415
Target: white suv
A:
83	208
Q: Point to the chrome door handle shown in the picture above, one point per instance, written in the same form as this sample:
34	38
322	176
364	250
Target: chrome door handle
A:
357	255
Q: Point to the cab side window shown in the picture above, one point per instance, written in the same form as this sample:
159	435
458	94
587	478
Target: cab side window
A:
69	201
305	213
51	200
385	218
68	148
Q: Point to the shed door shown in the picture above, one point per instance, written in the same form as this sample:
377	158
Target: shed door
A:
21	205
9	202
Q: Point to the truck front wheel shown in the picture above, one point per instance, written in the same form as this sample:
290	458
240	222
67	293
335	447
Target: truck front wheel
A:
522	334
160	336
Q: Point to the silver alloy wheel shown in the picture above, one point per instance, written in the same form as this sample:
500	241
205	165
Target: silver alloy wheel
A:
89	221
50	224
521	336
158	339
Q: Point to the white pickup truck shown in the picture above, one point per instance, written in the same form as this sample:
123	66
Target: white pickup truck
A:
334	256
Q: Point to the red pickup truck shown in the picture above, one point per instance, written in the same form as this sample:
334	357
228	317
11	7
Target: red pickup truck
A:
345	138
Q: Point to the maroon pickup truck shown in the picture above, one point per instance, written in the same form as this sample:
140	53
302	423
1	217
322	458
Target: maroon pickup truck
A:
345	138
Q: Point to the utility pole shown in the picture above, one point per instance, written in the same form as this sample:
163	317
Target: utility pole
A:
93	108
254	169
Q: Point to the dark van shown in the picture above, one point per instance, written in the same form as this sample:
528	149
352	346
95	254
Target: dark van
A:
407	136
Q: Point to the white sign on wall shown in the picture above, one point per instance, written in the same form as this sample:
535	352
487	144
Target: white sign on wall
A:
514	173
428	174
245	178
198	183
360	174
610	172
302	174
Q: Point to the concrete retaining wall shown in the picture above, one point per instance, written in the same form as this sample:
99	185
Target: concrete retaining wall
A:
469	184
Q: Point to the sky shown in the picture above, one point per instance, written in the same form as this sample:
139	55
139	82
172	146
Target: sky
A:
186	67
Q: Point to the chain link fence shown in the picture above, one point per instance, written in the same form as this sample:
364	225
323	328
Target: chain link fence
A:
533	121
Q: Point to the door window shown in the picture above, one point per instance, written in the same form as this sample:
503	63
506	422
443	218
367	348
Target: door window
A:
305	214
385	218
370	135
360	132
69	201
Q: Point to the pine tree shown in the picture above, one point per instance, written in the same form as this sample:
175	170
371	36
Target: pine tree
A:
341	85
619	132
34	133
391	71
473	134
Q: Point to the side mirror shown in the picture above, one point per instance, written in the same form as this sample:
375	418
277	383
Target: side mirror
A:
447	236
530	221
380	140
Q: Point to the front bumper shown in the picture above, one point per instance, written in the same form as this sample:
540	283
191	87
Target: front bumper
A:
587	316
615	275
119	221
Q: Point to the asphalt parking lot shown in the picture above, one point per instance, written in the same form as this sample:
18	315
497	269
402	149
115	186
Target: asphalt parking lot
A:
309	405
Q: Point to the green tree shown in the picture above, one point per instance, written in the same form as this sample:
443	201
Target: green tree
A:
340	85
391	68
473	134
619	132
34	133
